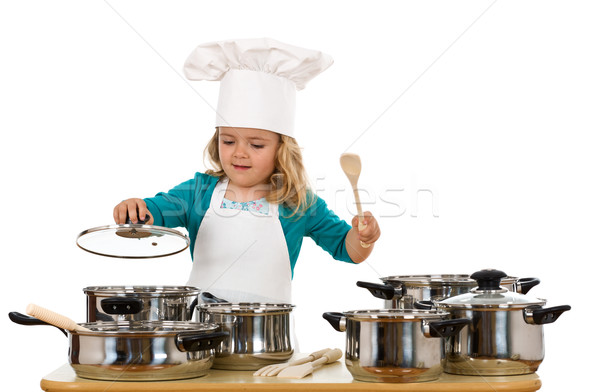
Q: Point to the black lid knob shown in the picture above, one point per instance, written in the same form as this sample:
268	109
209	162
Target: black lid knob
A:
488	279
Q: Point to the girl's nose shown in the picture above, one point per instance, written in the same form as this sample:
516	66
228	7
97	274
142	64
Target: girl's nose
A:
240	150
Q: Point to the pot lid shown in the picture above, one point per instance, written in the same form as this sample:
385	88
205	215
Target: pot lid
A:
395	314
132	241
489	294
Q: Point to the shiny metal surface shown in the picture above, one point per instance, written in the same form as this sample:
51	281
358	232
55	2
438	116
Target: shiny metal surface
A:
138	352
259	334
391	351
412	288
498	342
170	303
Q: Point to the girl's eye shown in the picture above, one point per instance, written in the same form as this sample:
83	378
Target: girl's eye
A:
227	142
257	146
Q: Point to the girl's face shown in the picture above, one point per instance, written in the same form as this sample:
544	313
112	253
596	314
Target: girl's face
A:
247	155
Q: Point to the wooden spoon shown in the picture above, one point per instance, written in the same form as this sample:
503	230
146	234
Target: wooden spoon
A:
58	320
351	166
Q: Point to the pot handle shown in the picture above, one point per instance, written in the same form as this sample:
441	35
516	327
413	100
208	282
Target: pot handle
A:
20	318
192	308
336	319
526	284
121	305
424	305
199	341
444	328
211	299
383	291
541	315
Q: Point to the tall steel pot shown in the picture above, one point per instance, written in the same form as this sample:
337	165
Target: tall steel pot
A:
140	303
506	334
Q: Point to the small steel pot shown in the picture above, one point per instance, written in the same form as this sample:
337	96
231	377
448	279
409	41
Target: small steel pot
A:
505	336
403	292
139	351
140	303
395	345
259	334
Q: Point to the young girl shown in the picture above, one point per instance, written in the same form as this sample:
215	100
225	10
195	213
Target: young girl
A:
247	218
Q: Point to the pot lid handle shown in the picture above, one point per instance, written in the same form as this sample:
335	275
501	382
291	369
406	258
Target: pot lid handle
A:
488	279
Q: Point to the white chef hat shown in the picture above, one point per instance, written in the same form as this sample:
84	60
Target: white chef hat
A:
259	79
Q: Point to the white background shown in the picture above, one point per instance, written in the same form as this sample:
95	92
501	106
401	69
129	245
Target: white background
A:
475	121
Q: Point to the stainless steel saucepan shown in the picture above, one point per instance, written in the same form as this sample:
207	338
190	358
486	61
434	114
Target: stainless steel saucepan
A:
140	303
259	333
506	334
395	345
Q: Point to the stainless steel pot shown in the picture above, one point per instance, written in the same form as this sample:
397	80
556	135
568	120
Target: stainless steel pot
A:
403	292
395	345
139	351
140	303
259	334
505	336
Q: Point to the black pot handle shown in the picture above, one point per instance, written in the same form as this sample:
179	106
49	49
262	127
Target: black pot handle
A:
526	284
540	316
199	341
445	328
383	291
336	319
211	299
192	307
20	318
424	305
121	305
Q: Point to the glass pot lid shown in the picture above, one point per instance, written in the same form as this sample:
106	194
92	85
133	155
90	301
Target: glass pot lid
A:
489	294
132	241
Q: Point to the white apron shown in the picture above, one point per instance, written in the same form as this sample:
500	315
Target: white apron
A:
241	256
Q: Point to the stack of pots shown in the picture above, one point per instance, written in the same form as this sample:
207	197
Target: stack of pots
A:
482	324
140	333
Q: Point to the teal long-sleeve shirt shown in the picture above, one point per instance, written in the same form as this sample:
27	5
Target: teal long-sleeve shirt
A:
187	203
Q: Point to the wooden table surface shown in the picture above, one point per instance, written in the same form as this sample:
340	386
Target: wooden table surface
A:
333	377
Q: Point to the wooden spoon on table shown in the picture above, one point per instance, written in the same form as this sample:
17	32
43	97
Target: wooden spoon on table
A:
351	166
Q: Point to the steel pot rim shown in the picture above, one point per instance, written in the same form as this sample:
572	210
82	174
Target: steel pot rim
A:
395	314
142	290
246	308
144	328
439	279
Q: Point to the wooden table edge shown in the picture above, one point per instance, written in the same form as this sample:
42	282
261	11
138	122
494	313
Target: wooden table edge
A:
516	386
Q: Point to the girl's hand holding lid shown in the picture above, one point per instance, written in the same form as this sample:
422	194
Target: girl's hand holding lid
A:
134	209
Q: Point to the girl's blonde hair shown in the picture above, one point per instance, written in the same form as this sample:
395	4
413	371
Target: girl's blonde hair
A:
289	181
